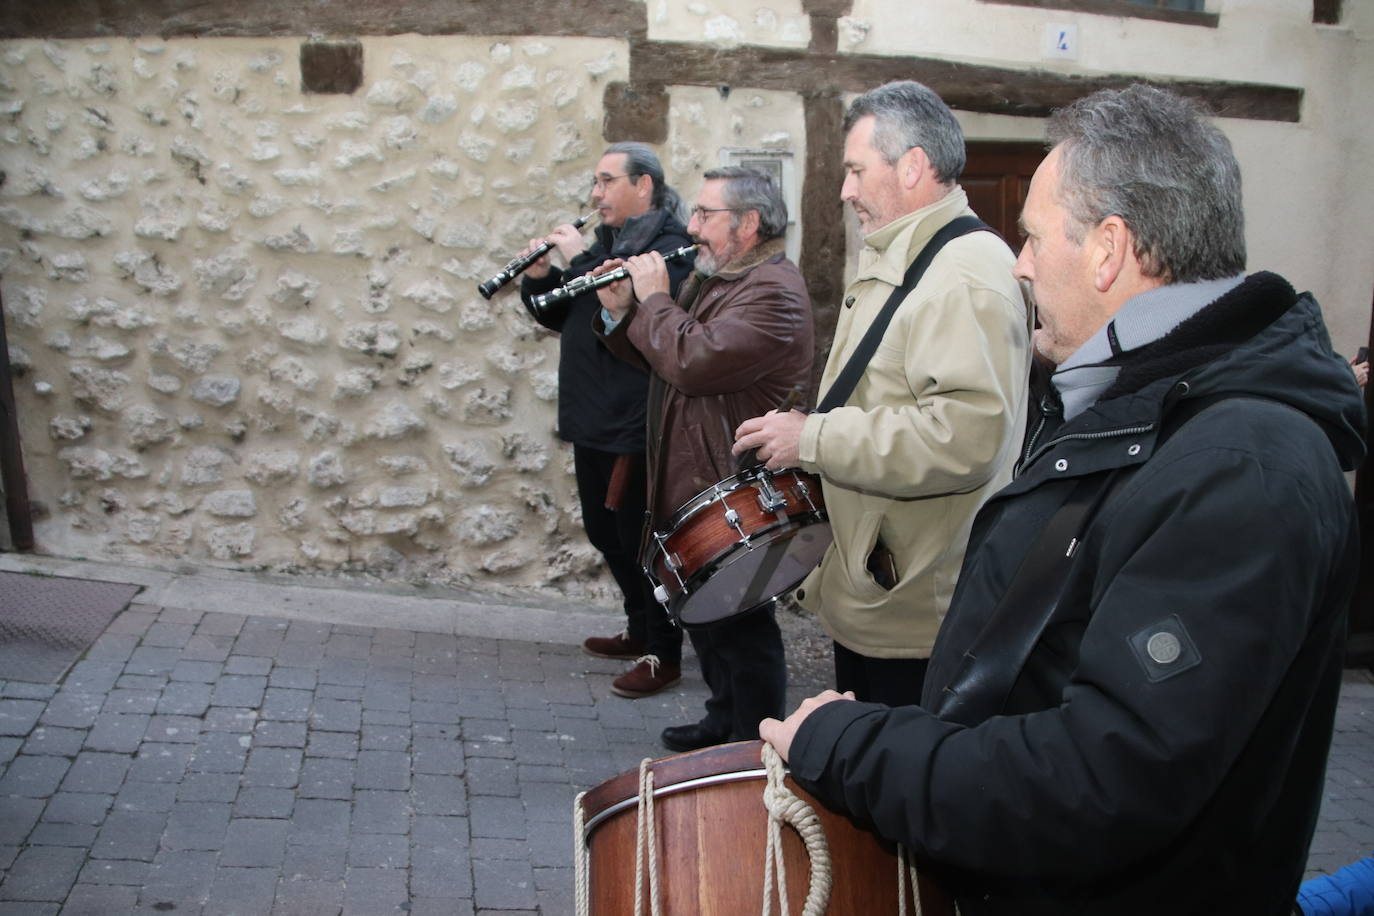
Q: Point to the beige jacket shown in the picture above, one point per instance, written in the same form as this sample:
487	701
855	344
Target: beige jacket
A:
930	432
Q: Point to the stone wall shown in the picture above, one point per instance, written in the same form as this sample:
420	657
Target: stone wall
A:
243	318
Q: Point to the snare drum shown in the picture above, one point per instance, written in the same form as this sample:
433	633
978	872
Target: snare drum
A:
740	545
711	828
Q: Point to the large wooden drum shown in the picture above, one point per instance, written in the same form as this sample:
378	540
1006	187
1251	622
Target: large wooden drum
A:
711	829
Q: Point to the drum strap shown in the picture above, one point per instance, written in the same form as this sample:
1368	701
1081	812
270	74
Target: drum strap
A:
854	368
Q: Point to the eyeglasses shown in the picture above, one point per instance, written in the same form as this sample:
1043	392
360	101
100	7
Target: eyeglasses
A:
702	213
604	181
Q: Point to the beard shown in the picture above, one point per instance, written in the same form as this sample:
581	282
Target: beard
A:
709	261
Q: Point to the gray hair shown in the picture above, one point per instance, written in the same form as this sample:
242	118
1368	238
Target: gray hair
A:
753	189
1154	159
908	114
641	160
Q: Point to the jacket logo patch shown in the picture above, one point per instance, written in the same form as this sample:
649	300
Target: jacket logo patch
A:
1164	649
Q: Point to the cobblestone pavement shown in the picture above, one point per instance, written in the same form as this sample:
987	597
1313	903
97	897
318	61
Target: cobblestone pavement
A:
199	761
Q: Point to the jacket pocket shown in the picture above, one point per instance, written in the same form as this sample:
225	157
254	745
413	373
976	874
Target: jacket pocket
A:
856	556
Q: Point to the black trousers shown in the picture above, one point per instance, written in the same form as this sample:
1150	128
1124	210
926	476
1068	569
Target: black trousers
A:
891	681
743	664
617	535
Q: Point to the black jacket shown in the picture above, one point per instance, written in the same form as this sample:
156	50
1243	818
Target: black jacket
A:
601	398
1111	782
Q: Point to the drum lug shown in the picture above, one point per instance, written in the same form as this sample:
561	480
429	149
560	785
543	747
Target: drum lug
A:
732	519
661	594
670	560
770	500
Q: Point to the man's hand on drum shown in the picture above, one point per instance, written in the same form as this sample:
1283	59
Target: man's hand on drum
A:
780	734
776	436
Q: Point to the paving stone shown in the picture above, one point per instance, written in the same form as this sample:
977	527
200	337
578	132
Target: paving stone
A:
255	843
92	677
114	871
157	762
443	756
387	694
230	719
112	647
237	891
344	645
173	730
431	689
153	661
308	897
321	822
141	682
18	717
241	690
32	776
554	890
285	704
492	776
348	671
378	850
196	671
171	635
129	835
9	748
377	811
503	884
217	624
248	664
185	698
386	737
444	713
494	816
149	797
42	873
490	848
547	802
442	906
197	825
100	900
395	718
301	678
273	766
207	648
351	692
122	699
318	861
375	891
220	752
222	787
280	734
265	802
326	777
334	744
440	795
383	770
95	771
179	871
121	732
17	818
78	808
69	709
337	715
300	655
78	835
60	742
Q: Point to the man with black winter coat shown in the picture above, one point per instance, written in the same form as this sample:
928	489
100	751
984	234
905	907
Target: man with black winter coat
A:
601	400
1143	728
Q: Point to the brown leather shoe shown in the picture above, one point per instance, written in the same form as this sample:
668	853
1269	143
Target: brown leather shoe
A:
618	646
646	678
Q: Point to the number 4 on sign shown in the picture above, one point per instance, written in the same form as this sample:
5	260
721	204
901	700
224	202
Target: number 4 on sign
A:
1060	40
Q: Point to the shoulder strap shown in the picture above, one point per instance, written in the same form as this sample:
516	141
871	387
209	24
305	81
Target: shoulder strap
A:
858	361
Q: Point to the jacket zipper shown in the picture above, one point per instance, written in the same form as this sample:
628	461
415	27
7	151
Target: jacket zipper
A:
1103	434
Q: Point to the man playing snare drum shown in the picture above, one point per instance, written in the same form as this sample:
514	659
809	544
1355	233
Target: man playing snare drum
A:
734	344
930	429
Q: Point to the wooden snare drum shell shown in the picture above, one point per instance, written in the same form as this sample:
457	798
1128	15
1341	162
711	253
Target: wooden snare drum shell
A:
712	838
701	538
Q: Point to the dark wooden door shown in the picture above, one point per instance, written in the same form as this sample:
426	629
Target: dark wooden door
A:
996	178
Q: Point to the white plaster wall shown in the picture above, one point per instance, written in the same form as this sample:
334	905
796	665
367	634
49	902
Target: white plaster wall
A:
780	23
1309	187
702	123
245	320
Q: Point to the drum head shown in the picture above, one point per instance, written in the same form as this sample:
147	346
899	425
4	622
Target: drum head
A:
750	579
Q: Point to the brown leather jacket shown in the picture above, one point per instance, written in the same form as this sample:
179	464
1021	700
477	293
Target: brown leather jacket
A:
730	348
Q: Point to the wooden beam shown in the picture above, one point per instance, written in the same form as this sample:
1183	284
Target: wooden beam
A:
256	18
971	87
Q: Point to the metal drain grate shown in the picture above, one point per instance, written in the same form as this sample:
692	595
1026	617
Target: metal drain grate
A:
47	622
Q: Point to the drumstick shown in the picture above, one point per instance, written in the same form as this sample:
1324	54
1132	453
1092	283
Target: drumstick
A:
750	458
